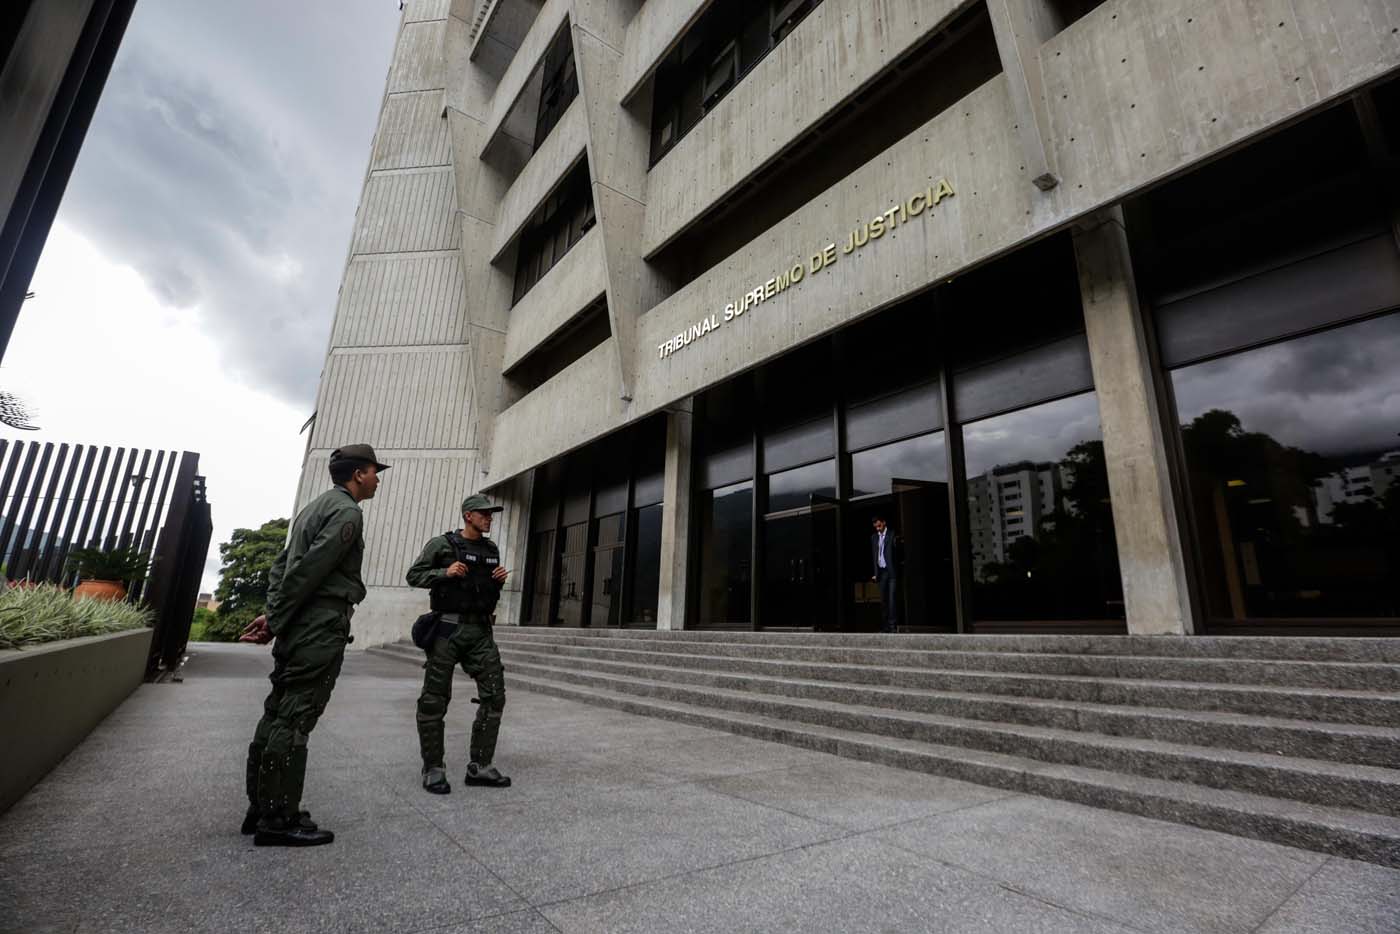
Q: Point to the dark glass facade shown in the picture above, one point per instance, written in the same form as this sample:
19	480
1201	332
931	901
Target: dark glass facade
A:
1009	523
595	546
1278	327
1295	482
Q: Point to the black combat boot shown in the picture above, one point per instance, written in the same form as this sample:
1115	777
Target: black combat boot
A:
278	831
250	821
435	780
487	775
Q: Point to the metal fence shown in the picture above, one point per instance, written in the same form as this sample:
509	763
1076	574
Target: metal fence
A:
57	498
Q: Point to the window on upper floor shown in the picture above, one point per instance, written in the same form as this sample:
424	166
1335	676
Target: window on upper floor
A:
560	222
712	57
569	344
559	85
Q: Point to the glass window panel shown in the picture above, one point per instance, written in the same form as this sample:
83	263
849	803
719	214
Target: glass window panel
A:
793	488
571	568
1040	522
541	565
911	412
726	559
649	487
799	444
922	458
646	568
608	554
1294	474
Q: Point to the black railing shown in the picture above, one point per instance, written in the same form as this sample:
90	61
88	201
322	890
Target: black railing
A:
57	498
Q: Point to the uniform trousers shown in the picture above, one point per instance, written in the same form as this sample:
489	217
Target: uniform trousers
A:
472	646
306	656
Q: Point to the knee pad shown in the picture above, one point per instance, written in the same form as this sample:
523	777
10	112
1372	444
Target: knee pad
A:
432	705
493	702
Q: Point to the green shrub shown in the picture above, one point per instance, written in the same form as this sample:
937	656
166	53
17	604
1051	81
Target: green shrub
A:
226	627
127	565
32	615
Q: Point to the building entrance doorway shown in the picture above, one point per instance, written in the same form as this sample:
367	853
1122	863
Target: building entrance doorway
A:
799	577
916	512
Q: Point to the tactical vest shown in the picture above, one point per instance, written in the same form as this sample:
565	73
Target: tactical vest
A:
475	593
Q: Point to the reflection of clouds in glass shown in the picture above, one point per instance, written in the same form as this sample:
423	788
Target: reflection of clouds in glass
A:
920	458
1335	393
1042	433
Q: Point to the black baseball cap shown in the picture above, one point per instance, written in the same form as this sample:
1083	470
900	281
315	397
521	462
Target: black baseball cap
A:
357	454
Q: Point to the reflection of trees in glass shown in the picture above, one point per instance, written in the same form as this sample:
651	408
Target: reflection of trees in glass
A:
1280	524
1068	566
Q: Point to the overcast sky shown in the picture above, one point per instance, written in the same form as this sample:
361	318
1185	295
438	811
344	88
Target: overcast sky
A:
185	296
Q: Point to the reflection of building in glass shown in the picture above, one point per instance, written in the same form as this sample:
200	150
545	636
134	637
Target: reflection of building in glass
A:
1354	485
1008	503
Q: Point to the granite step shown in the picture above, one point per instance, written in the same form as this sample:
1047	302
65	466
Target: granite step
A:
1338	831
1331	705
1281	648
1359	744
1363	787
1368	676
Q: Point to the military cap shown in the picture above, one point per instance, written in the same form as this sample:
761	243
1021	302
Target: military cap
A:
479	503
357	454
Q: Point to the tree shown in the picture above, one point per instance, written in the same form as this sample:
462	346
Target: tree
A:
246	559
14	413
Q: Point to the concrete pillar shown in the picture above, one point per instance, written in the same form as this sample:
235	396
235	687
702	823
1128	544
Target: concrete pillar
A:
675	520
1150	550
1021	27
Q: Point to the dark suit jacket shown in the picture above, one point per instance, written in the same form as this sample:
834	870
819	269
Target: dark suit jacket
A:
889	553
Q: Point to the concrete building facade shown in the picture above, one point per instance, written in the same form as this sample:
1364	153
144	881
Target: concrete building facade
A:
697	288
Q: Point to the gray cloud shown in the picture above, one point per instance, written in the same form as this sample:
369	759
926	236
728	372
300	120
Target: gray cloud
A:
224	164
1334	393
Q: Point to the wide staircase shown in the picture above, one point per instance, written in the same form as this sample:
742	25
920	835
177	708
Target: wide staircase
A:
1295	740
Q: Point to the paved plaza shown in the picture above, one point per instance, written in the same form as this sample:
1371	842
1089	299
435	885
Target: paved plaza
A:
615	823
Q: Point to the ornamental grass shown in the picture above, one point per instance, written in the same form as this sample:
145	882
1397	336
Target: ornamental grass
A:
45	613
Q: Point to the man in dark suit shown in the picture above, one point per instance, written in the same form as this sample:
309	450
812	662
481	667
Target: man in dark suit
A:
882	561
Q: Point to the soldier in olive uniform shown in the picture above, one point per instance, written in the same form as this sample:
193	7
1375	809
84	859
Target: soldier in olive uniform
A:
313	588
464	574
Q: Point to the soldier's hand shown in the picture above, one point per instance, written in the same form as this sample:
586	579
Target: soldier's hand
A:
256	632
499	575
457	569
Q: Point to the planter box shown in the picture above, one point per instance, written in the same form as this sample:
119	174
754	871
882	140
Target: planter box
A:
53	695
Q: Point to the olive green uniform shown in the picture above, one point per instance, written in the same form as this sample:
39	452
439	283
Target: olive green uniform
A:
313	587
463	608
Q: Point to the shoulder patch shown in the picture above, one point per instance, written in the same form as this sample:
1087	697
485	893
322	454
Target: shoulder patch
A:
347	532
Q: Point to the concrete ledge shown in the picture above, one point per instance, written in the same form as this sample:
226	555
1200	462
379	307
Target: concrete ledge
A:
838	49
545	171
522	67
54	695
652	34
575	282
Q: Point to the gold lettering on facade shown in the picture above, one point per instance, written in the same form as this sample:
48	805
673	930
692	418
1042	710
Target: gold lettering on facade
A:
865	233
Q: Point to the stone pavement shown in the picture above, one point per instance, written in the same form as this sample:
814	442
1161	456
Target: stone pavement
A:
616	823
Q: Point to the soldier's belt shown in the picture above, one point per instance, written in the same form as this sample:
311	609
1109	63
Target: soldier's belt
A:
455	618
332	603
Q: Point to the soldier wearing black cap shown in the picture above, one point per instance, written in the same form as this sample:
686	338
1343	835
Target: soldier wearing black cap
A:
463	572
314	586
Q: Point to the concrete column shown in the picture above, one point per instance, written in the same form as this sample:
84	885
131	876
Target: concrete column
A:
1150	550
1021	27
675	520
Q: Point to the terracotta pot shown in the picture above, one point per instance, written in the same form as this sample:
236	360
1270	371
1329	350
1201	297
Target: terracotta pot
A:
114	591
